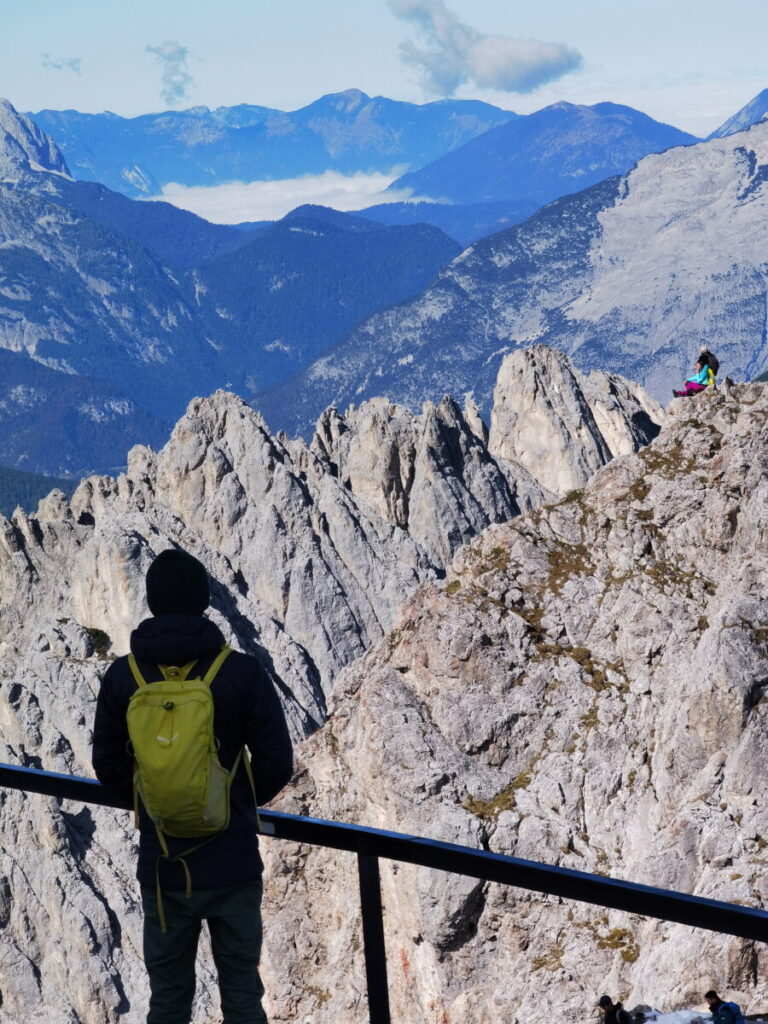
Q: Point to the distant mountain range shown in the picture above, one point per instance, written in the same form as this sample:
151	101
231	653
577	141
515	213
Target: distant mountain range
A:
104	322
535	159
631	275
176	237
501	177
298	286
482	168
113	313
345	132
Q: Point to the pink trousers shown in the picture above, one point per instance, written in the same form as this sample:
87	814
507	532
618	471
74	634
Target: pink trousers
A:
691	388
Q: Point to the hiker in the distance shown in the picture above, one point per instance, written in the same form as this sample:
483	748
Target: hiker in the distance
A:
613	1013
187	875
698	382
704	376
722	1012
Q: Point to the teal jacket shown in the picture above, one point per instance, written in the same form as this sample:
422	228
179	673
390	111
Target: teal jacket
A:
700	378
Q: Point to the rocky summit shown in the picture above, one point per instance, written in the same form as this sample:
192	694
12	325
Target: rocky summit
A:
563	660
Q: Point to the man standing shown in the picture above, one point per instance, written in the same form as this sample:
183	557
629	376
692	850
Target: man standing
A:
614	1013
219	880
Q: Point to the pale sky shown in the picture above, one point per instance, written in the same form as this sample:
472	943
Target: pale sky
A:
692	63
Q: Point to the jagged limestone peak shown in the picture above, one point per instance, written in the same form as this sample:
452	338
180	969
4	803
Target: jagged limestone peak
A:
23	147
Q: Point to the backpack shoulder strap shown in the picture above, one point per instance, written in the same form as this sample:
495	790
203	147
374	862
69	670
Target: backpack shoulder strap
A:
134	667
218	661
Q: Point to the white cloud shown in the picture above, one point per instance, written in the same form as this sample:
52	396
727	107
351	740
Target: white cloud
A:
269	200
177	81
459	54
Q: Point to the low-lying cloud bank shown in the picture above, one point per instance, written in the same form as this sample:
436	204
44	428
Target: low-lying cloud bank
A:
269	200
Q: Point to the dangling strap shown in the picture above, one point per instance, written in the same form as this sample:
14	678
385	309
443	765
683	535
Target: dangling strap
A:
177	859
249	773
136	815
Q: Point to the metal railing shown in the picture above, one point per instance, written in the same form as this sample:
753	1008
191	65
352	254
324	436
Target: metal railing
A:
371	844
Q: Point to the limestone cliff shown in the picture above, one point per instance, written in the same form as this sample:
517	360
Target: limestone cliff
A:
587	688
312	550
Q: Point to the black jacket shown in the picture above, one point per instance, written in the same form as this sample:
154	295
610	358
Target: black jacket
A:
618	1015
723	1013
247	712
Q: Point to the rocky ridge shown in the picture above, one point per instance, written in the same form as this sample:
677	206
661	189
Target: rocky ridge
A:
312	549
752	113
24	148
588	688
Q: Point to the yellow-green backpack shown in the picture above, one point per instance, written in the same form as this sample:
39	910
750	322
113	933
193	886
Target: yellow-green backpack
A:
177	772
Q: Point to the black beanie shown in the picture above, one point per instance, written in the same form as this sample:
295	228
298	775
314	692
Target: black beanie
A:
177	584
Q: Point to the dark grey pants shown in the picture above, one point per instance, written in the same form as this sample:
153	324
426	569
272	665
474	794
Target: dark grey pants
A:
233	914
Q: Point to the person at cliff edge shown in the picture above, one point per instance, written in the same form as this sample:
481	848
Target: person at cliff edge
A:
216	878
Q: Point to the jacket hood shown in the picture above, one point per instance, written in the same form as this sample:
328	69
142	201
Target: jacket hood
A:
175	639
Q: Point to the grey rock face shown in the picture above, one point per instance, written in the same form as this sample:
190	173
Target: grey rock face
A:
430	474
311	550
23	147
586	689
562	426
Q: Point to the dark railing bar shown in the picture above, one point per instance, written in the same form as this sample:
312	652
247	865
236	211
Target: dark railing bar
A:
612	893
373	938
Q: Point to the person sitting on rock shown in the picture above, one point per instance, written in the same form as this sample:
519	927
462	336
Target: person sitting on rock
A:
613	1013
696	383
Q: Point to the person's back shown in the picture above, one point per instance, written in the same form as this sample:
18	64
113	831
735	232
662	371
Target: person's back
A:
621	1016
723	1012
217	879
712	363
